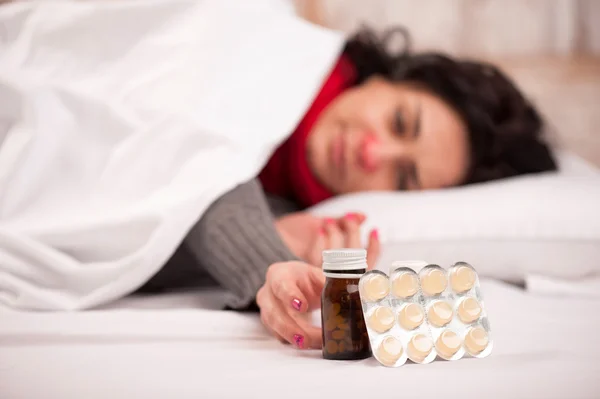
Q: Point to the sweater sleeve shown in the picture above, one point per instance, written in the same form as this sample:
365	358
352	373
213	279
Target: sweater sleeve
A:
235	241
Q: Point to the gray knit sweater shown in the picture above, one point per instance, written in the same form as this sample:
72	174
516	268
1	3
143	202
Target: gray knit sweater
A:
232	245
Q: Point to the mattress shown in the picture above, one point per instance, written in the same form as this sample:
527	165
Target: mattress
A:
182	345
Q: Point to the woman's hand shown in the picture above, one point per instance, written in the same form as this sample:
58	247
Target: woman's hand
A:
307	235
290	291
299	230
344	233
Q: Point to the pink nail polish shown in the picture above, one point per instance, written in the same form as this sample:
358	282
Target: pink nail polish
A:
329	221
296	304
350	216
375	234
299	341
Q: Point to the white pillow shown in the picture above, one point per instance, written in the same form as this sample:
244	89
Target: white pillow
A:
545	224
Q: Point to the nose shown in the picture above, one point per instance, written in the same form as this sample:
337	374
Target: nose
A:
374	152
369	155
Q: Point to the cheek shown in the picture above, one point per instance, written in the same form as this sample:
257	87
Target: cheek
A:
386	179
318	156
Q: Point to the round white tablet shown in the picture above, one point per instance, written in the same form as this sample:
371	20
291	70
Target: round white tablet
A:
411	316
476	340
469	310
462	279
382	319
405	285
440	313
419	348
375	287
447	344
389	351
433	281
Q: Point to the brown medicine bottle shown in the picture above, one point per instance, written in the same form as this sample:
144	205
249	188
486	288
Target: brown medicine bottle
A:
344	330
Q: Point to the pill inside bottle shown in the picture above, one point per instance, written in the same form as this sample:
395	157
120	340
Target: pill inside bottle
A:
433	281
476	340
411	316
462	279
469	310
389	351
419	348
375	288
405	285
447	344
440	313
382	319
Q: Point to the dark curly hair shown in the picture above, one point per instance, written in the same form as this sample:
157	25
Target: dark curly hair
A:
505	130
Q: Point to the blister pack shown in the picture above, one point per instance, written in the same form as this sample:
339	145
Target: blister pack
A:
395	317
455	311
419	316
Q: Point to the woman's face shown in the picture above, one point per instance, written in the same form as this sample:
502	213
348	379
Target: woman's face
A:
388	136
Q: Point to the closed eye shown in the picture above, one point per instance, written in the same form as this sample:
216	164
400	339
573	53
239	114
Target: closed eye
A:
399	122
417	125
408	174
403	181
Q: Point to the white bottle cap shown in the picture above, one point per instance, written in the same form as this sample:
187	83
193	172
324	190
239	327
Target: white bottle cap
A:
344	259
416	265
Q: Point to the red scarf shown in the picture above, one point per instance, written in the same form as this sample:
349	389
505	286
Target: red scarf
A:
287	173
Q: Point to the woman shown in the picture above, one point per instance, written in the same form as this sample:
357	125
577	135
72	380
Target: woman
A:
382	121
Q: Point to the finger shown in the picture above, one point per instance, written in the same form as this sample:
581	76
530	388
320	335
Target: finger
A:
271	331
286	291
335	238
351	229
312	286
360	217
261	299
301	335
373	249
265	323
315	254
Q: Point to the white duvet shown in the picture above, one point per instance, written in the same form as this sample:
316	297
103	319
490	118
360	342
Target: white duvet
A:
121	121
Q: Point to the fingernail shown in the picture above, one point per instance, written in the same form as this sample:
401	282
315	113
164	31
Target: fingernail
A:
375	234
299	341
296	304
329	221
351	216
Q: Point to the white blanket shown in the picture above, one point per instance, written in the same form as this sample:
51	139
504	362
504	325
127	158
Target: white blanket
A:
120	123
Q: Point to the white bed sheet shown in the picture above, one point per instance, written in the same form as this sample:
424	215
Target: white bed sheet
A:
182	346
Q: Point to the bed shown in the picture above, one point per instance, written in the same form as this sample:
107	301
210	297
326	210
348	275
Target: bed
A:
541	290
181	345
